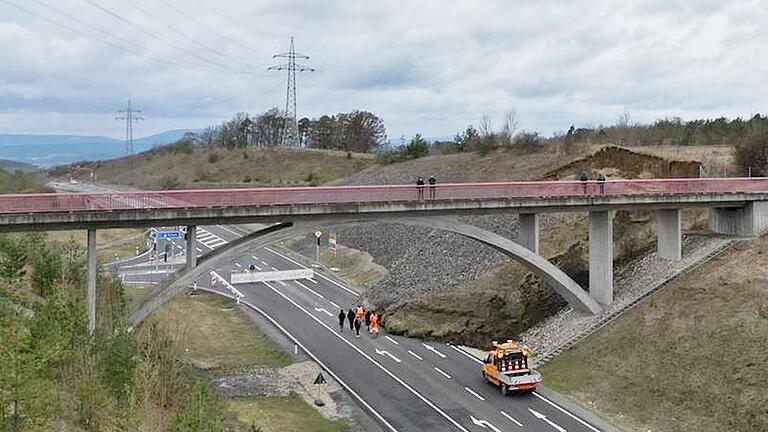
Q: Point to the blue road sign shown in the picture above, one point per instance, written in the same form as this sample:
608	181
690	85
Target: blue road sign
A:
166	235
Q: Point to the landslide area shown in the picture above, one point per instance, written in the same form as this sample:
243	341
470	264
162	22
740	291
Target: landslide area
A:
691	358
438	285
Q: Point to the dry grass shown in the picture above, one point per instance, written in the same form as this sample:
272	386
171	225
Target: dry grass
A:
120	241
278	414
219	336
690	358
157	169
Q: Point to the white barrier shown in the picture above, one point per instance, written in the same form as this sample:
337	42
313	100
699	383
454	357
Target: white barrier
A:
245	276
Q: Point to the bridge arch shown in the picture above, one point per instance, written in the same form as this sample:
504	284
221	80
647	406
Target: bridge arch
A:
548	272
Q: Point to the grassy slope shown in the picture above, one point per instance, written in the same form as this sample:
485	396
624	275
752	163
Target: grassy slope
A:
237	167
691	358
221	337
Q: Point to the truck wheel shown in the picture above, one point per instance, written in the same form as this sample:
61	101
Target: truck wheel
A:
504	389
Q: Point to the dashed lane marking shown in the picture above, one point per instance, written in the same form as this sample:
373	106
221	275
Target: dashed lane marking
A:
464	353
434	350
310	289
512	419
391	340
238	264
474	393
415	355
334	304
441	372
312	280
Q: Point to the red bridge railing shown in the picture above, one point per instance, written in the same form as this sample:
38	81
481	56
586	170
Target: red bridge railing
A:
206	198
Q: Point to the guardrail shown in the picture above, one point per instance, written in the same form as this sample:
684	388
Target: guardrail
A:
210	198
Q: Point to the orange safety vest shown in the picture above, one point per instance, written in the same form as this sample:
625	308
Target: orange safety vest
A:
360	312
374	323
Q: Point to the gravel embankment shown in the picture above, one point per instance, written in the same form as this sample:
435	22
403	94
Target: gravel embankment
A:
630	282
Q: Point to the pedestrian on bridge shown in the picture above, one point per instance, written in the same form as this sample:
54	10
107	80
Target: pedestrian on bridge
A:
584	180
601	182
351	318
342	317
432	182
420	187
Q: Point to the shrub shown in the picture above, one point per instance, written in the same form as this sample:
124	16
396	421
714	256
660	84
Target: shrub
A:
213	157
170	182
527	141
312	179
752	156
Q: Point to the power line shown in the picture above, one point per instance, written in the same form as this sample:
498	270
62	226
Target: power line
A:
129	117
186	36
109	43
155	36
291	130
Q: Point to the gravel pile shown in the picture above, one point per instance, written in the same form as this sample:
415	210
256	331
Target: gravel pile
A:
630	282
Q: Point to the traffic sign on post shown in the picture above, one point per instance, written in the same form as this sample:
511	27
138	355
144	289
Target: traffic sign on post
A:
166	234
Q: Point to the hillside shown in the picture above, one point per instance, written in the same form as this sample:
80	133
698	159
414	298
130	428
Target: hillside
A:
186	166
690	358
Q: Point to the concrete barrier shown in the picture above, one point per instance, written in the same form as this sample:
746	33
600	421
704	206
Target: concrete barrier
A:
246	276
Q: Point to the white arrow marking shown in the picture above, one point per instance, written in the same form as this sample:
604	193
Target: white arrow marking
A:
484	424
512	419
541	416
473	393
391	340
415	355
431	348
386	353
440	371
323	311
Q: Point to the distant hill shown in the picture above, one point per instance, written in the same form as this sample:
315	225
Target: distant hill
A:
51	150
11	165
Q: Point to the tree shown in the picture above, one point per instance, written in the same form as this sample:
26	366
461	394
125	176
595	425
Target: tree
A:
13	257
418	147
366	131
752	156
46	271
509	126
468	139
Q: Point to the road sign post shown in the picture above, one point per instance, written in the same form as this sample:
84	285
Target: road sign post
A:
318	234
332	244
167	235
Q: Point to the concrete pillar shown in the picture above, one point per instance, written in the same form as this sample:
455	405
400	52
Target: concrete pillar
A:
748	221
601	256
91	279
528	234
669	241
191	248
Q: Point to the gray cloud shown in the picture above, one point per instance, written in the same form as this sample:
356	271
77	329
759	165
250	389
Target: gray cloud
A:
430	67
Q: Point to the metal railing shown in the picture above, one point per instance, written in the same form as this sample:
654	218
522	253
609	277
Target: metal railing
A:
212	198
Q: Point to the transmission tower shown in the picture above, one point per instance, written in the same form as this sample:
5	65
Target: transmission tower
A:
130	116
291	131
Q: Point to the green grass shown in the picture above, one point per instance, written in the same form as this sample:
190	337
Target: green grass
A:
216	335
285	413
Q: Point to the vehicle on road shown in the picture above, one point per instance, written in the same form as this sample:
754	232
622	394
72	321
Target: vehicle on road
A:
506	367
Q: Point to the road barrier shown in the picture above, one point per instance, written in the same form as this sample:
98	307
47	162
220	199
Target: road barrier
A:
246	276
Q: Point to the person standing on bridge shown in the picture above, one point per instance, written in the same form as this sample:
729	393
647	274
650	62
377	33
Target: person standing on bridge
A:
432	181
584	180
601	182
420	187
342	317
351	318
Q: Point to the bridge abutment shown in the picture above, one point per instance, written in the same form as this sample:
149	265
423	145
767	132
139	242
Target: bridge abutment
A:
528	234
601	256
91	279
191	249
669	241
747	221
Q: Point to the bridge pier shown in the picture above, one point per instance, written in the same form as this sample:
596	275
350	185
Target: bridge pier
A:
669	241
91	279
528	234
747	221
191	248
601	256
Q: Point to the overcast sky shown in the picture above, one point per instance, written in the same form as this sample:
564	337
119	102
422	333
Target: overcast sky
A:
429	67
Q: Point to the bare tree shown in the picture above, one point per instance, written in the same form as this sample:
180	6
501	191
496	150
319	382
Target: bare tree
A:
624	119
509	126
485	126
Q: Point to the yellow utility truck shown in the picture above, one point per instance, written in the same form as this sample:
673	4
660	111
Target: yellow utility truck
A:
506	367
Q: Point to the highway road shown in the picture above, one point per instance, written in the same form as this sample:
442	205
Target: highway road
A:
406	384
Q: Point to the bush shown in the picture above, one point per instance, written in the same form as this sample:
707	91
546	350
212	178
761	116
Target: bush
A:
170	182
752	156
527	141
213	157
313	179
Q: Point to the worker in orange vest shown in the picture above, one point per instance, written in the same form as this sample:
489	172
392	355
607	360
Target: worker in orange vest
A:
374	329
359	312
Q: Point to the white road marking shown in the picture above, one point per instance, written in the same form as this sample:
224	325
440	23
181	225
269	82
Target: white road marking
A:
470	356
228	230
312	280
282	283
441	372
355	293
544	418
227	284
317	360
559	408
198	249
309	289
264	263
323	311
334	304
238	264
391	340
484	424
473	393
387	353
512	419
274	268
415	355
372	360
431	348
